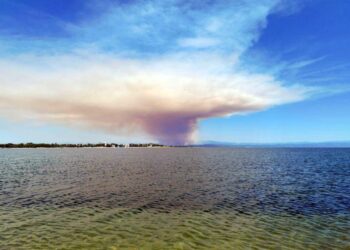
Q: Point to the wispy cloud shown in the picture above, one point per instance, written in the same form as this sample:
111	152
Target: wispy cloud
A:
304	63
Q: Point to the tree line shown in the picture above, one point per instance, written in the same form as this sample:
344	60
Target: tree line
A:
87	145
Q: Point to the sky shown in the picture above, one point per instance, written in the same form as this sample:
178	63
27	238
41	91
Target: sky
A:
174	71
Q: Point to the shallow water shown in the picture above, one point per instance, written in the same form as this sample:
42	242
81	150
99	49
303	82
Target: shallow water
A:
175	198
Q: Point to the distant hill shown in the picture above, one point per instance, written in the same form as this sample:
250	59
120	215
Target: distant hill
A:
335	144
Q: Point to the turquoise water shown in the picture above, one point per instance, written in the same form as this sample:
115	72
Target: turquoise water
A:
175	198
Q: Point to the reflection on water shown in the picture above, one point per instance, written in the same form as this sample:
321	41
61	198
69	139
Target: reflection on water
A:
177	198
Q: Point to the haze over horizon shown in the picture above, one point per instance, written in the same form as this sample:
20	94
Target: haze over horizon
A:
174	72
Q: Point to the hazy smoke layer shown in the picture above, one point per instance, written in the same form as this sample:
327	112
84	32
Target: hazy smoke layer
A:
164	98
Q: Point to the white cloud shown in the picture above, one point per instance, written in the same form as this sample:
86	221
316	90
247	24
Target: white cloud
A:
198	42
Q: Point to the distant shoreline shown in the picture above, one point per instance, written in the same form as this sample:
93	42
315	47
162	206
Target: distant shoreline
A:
79	145
155	145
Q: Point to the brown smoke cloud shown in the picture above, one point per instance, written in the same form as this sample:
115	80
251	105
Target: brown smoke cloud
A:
164	98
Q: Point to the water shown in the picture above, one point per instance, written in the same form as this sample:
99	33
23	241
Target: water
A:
175	198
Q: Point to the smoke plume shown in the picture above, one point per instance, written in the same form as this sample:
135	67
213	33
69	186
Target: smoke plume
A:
164	98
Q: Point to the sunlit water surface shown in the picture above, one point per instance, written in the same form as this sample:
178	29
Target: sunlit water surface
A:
175	198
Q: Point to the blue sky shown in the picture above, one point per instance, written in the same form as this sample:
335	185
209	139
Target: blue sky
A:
174	71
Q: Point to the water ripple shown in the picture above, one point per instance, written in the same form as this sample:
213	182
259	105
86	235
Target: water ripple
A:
175	198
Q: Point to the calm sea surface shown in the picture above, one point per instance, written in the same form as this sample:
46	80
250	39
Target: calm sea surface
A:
175	198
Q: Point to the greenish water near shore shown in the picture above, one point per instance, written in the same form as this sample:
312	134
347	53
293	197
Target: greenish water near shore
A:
87	228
